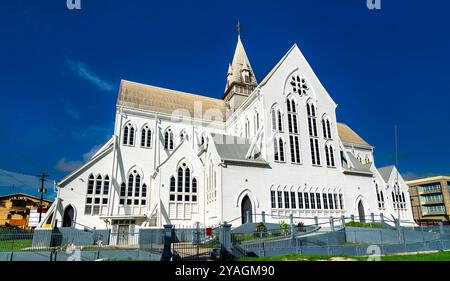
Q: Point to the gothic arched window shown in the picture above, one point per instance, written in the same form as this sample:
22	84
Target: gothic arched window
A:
313	137
294	141
277	120
168	140
278	149
146	137
128	134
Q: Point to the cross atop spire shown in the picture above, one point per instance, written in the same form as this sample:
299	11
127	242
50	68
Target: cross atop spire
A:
238	28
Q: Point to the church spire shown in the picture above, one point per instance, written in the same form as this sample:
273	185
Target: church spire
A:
241	80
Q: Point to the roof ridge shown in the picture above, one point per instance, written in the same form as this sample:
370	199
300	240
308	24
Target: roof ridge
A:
172	90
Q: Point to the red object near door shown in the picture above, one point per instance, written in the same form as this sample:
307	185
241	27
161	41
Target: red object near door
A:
208	231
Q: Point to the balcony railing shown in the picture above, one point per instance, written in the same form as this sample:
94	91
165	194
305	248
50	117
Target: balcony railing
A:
434	213
432	202
431	191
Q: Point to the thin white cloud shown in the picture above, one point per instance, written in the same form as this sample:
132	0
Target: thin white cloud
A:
84	72
88	155
68	108
65	165
72	113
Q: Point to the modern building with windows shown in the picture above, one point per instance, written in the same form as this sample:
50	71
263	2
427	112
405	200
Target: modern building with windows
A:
430	199
272	146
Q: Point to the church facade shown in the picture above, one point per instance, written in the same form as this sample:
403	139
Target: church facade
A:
273	147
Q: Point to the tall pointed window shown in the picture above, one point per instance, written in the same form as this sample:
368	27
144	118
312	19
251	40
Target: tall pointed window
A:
326	128
247	128
146	137
106	185
278	149
168	140
144	195
329	155
184	136
128	135
313	136
256	122
90	189
294	141
380	197
277	120
98	185
123	193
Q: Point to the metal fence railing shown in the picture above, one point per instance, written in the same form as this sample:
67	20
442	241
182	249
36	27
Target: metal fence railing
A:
350	241
150	239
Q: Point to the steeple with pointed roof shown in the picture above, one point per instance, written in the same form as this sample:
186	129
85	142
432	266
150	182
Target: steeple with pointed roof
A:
241	80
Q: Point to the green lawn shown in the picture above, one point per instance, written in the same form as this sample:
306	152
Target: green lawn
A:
436	256
10	245
290	257
360	224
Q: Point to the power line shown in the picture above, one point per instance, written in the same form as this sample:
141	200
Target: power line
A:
19	152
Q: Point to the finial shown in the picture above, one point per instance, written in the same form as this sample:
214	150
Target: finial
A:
238	27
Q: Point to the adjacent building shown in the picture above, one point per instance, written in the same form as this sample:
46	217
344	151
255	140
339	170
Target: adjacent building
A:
430	199
21	210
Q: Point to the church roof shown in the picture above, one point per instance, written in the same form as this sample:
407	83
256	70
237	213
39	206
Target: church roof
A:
386	172
358	167
234	149
146	97
348	136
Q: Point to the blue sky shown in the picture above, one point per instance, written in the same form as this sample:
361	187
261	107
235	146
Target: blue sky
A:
60	70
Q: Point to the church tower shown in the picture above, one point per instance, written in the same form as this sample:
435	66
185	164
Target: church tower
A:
241	80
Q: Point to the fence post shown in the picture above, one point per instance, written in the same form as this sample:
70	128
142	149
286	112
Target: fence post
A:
263	217
225	240
397	225
343	221
404	240
372	216
316	220
293	234
332	223
441	229
352	217
167	253
382	218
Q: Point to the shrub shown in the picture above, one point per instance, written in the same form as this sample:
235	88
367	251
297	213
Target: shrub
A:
284	227
261	227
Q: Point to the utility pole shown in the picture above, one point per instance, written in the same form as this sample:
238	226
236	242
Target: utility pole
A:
42	190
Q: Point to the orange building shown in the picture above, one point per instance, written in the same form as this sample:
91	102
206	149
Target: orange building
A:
15	209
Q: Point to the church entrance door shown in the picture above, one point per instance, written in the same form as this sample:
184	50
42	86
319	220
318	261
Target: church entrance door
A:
246	208
362	215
